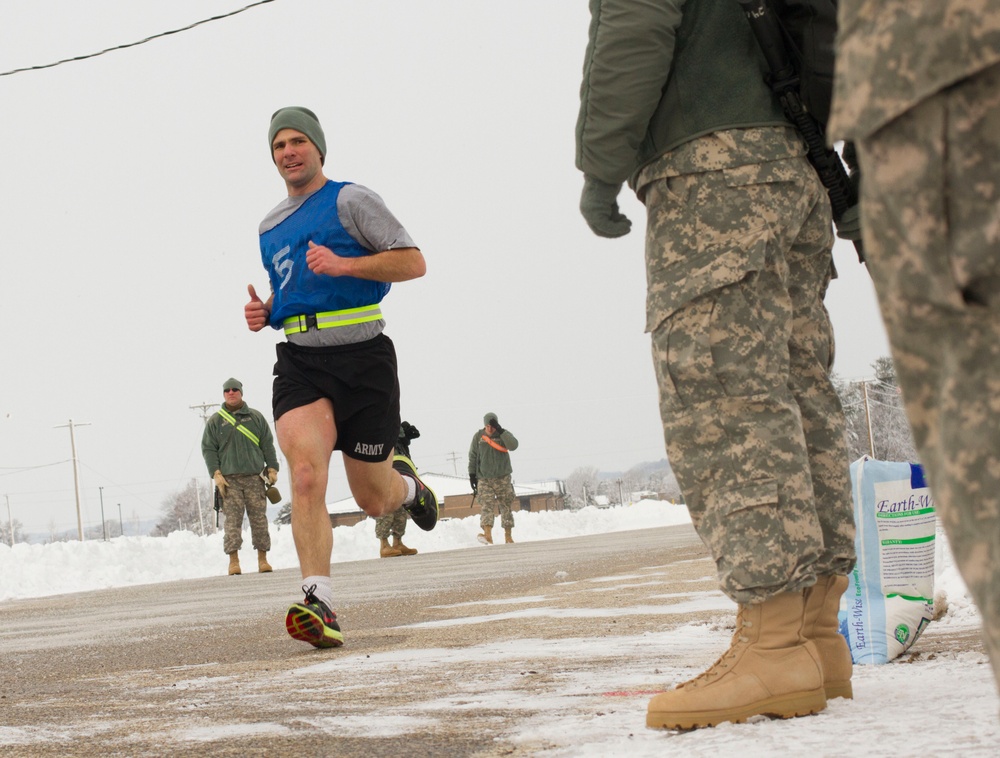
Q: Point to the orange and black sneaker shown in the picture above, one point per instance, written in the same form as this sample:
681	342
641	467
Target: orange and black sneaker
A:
312	621
424	508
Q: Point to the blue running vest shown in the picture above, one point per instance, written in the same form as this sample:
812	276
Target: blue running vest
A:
297	290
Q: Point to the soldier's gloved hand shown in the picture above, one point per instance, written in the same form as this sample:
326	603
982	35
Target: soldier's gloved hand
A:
497	429
220	482
599	206
474	481
410	432
849	226
272	475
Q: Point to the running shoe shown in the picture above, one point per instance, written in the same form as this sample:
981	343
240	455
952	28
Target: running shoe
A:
424	508
312	621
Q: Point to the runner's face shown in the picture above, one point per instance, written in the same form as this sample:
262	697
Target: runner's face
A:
298	160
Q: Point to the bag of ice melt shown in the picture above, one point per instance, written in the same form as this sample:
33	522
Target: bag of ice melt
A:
890	598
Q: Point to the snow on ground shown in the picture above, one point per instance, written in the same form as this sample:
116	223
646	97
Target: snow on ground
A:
35	570
937	704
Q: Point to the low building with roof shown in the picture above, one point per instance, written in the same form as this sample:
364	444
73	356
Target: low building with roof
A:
456	500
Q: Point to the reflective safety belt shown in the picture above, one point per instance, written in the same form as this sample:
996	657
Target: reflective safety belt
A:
495	445
239	427
330	319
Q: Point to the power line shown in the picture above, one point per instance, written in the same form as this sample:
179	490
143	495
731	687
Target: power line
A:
133	44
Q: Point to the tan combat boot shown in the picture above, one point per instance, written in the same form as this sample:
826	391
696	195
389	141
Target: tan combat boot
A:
234	564
770	668
821	625
387	550
506	535
397	542
487	536
262	565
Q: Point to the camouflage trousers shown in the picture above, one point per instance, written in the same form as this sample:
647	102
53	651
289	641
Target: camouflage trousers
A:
493	494
754	429
245	494
931	222
392	525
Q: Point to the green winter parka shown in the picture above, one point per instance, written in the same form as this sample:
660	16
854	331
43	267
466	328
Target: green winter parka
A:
227	449
485	460
660	74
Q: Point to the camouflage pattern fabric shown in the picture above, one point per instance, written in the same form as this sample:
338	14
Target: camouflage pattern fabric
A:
738	261
931	223
893	54
496	494
392	525
245	494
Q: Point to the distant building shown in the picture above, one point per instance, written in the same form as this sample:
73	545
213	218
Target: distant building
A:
455	499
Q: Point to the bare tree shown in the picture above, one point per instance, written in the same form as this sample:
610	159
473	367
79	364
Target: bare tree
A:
876	420
180	511
5	529
582	485
284	515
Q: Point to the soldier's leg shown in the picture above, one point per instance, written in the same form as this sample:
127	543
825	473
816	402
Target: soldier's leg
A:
505	501
398	530
399	523
383	527
487	498
732	426
256	508
811	353
930	217
233	510
383	530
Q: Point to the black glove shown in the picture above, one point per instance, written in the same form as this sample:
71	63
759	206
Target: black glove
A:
599	206
497	429
410	432
474	481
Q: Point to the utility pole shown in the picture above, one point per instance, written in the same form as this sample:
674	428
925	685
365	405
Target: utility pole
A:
76	472
206	413
868	421
197	494
10	520
121	524
104	524
455	458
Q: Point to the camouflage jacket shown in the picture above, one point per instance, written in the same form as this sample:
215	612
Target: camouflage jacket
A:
893	54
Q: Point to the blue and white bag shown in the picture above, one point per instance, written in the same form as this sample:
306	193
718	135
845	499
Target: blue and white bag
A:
890	597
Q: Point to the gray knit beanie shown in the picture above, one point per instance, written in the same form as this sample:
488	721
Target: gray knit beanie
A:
490	419
300	119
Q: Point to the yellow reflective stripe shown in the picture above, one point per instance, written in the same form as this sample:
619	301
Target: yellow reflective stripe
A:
239	427
295	324
329	319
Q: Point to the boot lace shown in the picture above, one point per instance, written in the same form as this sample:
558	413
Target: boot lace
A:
724	661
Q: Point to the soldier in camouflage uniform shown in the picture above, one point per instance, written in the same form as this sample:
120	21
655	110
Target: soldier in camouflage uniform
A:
738	258
490	476
918	89
394	524
238	446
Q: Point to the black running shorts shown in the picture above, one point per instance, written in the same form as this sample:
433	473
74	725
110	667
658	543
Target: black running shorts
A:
361	382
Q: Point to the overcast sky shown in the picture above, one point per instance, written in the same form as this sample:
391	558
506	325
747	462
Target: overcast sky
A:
134	182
